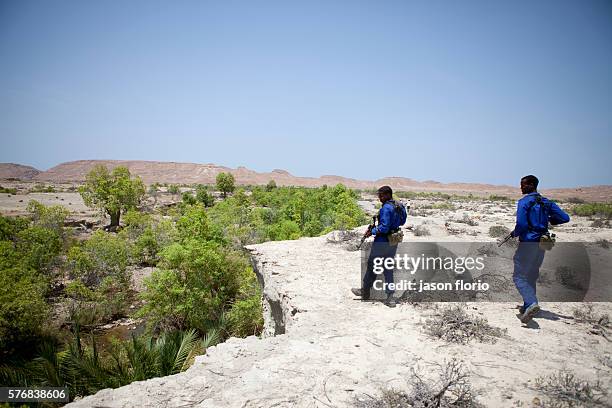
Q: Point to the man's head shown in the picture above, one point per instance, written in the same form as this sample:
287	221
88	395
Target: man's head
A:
529	184
385	194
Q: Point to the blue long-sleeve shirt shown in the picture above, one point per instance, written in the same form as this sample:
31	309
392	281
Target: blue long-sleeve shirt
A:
388	220
529	211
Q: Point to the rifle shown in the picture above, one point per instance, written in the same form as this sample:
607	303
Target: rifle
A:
505	240
363	238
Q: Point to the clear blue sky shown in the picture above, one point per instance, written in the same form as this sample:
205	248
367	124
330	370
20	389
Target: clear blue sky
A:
482	91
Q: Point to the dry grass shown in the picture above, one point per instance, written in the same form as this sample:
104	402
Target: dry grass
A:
497	231
454	325
421	231
452	389
599	323
569	278
564	389
466	219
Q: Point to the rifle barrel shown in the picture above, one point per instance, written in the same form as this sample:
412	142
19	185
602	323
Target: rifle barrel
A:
505	240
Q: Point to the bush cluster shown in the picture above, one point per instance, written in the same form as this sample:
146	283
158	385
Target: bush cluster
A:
603	210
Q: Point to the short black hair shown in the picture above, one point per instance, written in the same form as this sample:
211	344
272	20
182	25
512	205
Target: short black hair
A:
385	190
531	179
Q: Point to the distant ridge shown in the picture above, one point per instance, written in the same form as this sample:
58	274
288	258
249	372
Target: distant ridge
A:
17	171
192	173
188	173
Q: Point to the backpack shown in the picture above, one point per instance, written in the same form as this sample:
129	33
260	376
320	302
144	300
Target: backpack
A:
547	240
544	208
400	210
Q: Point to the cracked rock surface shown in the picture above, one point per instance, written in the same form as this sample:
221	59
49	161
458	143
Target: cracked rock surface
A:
321	347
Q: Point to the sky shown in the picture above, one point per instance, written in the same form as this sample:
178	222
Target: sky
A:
470	91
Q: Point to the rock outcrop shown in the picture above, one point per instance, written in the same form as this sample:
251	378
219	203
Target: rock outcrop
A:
322	348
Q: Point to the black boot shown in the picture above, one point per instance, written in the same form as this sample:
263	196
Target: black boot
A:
391	302
364	294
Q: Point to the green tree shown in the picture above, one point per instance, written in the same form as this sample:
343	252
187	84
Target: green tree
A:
153	191
188	198
203	196
174	189
112	192
271	185
225	183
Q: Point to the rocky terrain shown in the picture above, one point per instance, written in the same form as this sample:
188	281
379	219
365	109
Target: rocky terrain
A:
190	173
323	348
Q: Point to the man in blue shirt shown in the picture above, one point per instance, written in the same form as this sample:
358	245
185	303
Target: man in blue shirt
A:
391	216
533	214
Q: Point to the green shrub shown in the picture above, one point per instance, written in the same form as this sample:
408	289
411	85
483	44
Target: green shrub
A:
9	257
52	217
288	213
101	287
245	318
135	223
188	198
22	304
10	226
195	224
7	190
423	195
174	189
441	206
593	209
574	200
286	229
494	197
153	189
41	188
196	281
85	369
79	291
146	237
103	255
38	247
203	196
240	222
